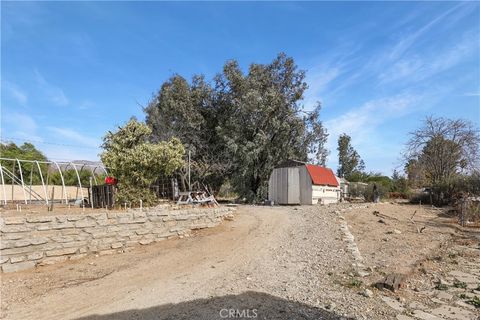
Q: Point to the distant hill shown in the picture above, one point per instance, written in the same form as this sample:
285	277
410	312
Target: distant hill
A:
89	165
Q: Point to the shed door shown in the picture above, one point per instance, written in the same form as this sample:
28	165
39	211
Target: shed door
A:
293	190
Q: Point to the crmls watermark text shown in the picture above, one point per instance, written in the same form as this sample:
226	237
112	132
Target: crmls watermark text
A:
238	313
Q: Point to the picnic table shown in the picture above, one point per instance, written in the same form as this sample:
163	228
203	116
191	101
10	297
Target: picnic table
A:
196	197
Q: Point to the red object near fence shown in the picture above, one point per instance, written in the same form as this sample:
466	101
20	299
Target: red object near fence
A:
111	181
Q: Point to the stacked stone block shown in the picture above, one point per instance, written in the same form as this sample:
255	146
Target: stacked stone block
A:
31	240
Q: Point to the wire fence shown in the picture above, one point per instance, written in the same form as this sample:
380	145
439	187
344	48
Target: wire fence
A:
468	210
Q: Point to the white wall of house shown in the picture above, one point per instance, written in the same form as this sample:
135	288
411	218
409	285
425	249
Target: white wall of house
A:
325	194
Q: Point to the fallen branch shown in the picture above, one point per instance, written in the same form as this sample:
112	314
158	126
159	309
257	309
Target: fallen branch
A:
378	214
419	230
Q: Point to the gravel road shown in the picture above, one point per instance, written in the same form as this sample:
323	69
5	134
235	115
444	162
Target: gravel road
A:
269	263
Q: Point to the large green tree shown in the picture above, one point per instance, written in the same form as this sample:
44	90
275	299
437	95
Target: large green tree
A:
349	162
243	124
185	111
26	151
263	122
137	163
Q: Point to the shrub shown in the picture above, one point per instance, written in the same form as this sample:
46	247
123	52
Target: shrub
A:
441	286
227	191
356	189
420	197
475	301
398	195
137	163
368	192
354	283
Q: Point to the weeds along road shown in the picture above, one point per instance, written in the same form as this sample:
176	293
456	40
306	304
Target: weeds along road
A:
269	263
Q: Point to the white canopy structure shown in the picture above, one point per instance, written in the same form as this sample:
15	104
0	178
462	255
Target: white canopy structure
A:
30	194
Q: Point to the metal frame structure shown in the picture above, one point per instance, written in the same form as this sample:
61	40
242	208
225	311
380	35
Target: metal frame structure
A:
58	164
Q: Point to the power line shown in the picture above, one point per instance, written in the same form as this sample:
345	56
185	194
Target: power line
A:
8	139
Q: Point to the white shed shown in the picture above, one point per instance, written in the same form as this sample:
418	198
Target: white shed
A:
295	182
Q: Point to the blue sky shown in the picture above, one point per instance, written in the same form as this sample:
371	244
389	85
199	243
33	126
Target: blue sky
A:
72	71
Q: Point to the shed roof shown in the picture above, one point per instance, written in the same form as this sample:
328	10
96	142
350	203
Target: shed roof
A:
290	163
321	175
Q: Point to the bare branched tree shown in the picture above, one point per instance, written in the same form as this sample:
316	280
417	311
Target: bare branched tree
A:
443	147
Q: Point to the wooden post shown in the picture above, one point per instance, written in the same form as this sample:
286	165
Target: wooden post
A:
463	209
50	208
90	192
112	190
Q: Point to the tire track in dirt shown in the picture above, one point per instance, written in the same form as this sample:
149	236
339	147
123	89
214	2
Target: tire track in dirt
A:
181	270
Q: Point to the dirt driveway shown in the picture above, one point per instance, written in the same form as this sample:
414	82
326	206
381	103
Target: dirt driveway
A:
269	263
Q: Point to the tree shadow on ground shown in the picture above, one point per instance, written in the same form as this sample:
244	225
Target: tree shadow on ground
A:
248	305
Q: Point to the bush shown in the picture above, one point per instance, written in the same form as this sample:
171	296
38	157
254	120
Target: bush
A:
420	197
395	187
368	192
398	195
137	163
446	192
131	195
227	191
467	184
356	189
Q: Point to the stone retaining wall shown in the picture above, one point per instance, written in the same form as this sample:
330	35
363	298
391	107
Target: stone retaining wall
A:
32	240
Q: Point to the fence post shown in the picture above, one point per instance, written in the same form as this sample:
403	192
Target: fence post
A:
90	192
50	208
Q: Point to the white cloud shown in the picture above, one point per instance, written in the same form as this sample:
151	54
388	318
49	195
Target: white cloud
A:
85	105
16	92
401	69
404	44
472	94
54	93
68	135
67	145
362	123
371	114
324	71
417	68
19	126
318	81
